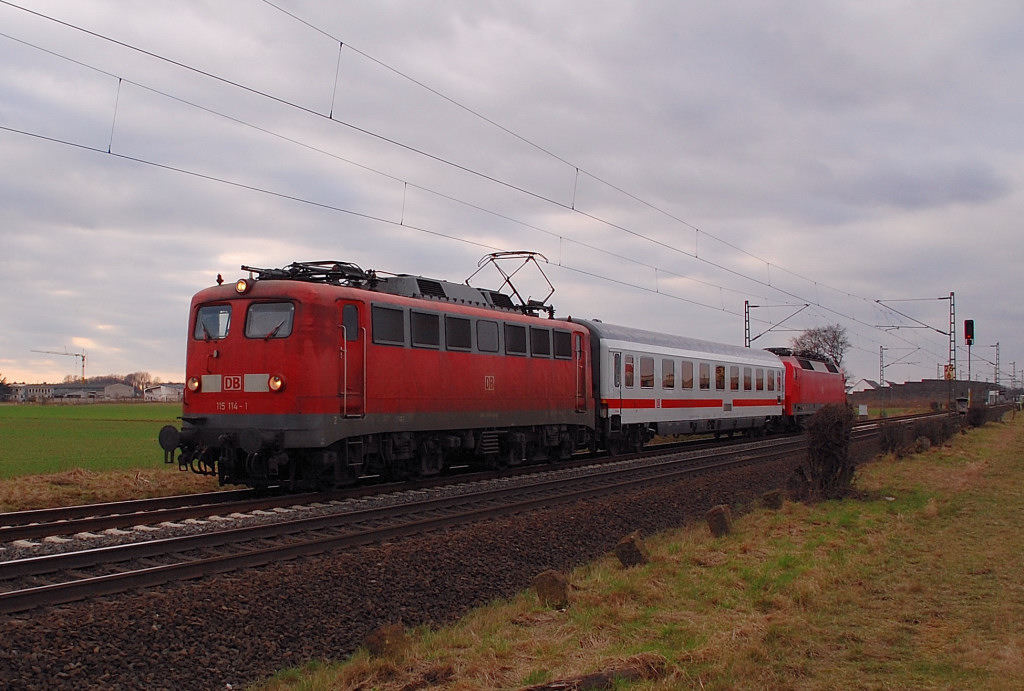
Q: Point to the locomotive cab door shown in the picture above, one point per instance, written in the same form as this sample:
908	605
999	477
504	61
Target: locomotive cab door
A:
352	360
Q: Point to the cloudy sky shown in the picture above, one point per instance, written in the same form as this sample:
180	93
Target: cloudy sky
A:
670	159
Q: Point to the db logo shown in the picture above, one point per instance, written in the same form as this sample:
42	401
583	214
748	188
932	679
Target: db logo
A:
232	382
489	382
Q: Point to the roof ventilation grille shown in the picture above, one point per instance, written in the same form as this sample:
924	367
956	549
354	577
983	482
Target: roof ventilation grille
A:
431	288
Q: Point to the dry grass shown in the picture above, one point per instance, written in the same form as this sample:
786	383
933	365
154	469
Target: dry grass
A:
919	586
80	486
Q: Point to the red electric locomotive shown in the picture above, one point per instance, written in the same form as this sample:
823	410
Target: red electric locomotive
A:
810	385
321	373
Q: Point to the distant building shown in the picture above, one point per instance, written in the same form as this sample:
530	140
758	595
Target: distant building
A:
34	392
934	393
118	391
74	392
77	390
15	393
168	393
863	385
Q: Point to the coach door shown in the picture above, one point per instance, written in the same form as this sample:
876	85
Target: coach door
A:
581	373
352	360
616	379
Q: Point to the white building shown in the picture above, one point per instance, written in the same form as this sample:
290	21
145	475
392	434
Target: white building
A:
168	393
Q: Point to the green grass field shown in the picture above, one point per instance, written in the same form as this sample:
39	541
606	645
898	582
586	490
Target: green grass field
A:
38	439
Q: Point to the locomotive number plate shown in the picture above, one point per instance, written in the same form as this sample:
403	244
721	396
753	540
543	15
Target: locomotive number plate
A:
231	406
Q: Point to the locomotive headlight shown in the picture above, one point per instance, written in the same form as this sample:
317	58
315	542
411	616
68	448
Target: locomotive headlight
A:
242	286
193	384
276	382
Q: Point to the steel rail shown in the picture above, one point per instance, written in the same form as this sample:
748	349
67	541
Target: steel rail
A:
60	521
18	525
417	517
90	518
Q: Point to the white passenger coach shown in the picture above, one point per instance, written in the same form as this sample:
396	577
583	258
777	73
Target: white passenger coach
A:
651	383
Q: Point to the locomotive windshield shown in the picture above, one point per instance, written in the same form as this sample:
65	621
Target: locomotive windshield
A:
212	322
269	320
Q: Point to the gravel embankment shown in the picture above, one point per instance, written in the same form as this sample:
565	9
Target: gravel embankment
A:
238	628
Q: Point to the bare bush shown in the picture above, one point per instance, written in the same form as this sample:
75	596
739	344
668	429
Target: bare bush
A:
892	438
937	430
828	471
976	416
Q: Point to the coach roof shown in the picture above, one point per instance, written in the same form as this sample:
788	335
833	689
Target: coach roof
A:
692	346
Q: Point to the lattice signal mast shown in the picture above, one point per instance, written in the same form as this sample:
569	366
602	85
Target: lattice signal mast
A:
952	337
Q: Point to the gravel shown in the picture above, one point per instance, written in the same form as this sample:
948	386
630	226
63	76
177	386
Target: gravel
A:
229	630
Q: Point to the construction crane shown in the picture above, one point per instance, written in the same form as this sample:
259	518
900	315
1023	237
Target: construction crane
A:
65	352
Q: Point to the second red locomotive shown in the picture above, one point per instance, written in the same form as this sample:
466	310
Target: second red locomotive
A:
321	373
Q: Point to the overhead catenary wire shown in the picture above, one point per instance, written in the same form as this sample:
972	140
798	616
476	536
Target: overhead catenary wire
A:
545	198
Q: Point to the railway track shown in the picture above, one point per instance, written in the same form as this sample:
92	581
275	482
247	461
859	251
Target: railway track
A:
288	533
58	578
58	522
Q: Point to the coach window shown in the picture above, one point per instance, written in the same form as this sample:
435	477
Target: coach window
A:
388	325
771	380
458	333
269	320
515	339
705	376
629	371
646	373
425	329
668	374
759	379
540	342
487	336
212	322
687	374
734	378
563	345
748	379
720	377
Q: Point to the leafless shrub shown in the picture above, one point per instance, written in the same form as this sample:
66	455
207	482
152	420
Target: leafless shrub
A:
828	471
937	430
976	416
892	438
